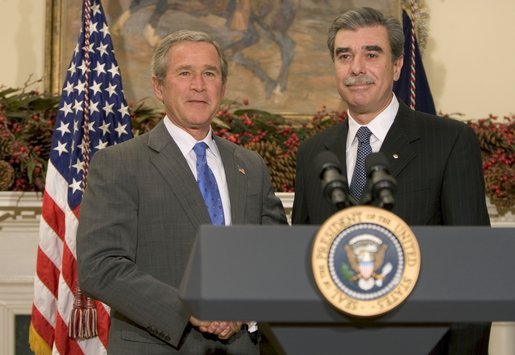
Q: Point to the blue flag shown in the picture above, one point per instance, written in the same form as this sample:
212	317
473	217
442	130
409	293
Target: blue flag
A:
423	98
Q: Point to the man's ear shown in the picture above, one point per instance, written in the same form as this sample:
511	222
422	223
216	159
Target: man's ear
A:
157	88
397	66
224	85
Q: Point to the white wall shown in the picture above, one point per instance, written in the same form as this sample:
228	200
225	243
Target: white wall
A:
22	41
468	59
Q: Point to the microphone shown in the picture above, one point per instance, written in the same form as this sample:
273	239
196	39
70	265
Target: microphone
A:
334	185
381	185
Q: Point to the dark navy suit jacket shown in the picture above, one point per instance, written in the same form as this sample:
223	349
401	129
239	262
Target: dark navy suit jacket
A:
437	164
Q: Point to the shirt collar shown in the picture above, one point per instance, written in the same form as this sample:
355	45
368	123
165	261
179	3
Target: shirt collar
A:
185	141
379	126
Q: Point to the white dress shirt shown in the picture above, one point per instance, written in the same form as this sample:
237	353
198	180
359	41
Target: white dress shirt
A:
379	127
186	142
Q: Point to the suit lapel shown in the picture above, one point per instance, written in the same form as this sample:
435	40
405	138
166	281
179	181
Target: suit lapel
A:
174	169
397	145
235	173
337	142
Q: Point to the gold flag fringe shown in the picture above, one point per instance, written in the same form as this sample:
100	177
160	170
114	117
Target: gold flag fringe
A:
420	17
37	344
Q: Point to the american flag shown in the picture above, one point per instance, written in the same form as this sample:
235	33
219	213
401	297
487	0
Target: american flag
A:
93	114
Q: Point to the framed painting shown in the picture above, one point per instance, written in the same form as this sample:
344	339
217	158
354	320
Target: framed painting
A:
277	51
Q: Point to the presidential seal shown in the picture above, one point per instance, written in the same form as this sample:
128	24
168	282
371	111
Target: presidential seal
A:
365	261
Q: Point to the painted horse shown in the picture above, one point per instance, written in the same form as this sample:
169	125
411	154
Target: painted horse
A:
252	20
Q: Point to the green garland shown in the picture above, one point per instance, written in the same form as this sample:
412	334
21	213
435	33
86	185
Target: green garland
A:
27	121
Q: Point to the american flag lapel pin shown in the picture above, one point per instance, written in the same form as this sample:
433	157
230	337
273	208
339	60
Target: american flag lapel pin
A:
241	170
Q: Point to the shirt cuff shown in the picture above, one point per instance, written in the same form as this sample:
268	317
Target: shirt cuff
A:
252	326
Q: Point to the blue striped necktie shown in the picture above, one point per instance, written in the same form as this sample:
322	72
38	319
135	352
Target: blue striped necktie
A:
359	177
208	186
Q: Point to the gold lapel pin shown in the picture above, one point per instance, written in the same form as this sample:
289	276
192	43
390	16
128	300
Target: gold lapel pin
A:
241	170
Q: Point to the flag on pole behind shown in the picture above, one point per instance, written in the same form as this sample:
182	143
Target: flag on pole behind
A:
412	87
93	114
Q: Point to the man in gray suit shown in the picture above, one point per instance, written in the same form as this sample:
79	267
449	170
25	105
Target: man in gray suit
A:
142	209
436	161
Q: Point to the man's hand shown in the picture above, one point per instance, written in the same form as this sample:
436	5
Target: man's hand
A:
222	329
199	323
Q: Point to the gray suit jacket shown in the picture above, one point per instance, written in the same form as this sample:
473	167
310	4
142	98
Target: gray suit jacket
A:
138	220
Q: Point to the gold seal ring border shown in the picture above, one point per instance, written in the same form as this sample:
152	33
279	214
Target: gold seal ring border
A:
335	225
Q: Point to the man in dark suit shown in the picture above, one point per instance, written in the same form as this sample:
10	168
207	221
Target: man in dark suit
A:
142	209
436	161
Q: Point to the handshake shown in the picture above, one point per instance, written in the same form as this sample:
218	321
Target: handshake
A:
222	329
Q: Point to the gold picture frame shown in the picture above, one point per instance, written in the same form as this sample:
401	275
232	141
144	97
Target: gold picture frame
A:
278	57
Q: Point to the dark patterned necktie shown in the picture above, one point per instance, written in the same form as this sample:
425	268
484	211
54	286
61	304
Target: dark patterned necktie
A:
208	186
359	177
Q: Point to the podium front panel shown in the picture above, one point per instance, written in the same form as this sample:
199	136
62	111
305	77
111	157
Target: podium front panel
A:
264	273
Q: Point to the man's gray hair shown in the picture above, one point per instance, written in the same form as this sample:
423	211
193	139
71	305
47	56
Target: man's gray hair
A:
160	56
353	20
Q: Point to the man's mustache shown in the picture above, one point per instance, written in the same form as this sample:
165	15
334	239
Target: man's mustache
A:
358	80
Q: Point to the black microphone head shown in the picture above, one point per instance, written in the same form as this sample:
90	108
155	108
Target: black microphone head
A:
334	184
376	161
381	185
324	160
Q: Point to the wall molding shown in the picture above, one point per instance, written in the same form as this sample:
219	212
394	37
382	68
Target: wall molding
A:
20	210
15	299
